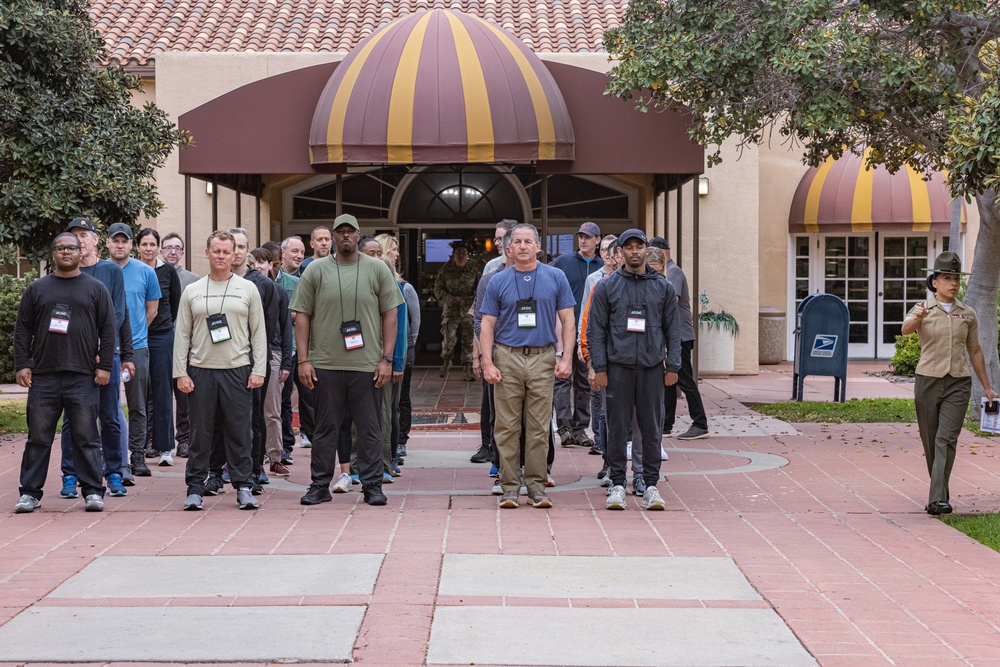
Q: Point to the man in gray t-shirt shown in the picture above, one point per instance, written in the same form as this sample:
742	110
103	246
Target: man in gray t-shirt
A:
685	378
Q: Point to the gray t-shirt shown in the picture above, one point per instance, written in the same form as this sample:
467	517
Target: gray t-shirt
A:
680	284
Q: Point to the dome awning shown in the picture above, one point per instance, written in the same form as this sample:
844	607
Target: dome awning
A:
844	196
440	86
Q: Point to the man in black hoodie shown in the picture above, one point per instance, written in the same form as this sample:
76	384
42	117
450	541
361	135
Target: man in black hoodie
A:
635	350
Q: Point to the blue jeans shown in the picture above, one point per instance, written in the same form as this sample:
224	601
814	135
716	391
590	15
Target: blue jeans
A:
161	359
109	414
51	394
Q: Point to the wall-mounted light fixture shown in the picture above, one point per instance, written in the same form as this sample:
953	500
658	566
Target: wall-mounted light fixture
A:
703	186
208	188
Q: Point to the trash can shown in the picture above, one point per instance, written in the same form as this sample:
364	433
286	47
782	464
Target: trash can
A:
770	336
822	324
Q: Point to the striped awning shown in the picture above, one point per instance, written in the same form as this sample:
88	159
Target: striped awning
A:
844	196
440	86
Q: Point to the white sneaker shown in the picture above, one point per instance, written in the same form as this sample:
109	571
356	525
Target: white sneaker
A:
651	500
497	488
616	498
343	484
550	481
663	455
628	451
166	459
94	503
304	442
26	504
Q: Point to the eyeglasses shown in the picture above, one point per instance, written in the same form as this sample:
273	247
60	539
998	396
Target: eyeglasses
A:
66	248
173	248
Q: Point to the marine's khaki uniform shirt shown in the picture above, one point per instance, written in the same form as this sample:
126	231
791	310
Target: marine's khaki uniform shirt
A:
944	339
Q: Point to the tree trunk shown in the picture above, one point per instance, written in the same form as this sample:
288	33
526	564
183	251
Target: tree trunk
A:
955	233
981	295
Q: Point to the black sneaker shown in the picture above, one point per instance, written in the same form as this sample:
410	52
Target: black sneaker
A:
213	485
693	433
374	495
182	450
150	452
286	457
139	467
565	437
596	450
483	455
316	495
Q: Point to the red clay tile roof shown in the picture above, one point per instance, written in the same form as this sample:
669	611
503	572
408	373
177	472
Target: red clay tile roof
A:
137	30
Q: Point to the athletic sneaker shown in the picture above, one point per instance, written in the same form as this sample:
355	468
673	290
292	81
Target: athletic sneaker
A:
540	499
343	484
214	485
166	459
245	499
355	478
651	500
26	504
115	486
387	478
616	498
693	433
550	481
192	503
638	486
494	471
497	489
94	503
69	487
304	442
663	454
509	501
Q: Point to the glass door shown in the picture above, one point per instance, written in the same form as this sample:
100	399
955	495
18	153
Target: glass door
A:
903	280
847	273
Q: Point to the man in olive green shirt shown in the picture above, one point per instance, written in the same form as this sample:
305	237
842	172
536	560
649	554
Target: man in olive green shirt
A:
345	332
220	356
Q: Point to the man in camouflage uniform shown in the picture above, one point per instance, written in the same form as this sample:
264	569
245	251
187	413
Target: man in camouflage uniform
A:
455	290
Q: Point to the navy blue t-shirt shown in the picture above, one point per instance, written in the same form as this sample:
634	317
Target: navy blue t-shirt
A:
547	286
111	275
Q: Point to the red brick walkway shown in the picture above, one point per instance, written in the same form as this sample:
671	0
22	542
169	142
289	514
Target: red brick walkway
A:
836	541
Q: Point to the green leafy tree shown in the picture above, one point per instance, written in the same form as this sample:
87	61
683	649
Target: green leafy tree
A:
914	80
71	141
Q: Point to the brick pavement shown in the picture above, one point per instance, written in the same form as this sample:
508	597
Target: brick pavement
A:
836	542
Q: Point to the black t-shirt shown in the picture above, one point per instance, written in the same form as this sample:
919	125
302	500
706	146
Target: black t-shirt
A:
170	300
64	324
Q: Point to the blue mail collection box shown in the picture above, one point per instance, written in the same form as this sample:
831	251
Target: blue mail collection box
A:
821	329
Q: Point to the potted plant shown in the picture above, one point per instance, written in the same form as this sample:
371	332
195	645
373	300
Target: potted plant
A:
717	332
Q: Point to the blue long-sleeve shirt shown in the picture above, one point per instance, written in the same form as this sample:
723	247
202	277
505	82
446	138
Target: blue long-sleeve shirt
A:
402	326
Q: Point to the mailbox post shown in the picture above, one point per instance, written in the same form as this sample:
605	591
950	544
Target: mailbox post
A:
822	325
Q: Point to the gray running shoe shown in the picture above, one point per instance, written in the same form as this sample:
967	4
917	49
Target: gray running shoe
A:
509	501
26	504
693	433
497	488
616	498
245	499
651	500
638	485
94	503
192	503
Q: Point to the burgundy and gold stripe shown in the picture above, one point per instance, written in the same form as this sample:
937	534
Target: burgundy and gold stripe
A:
845	196
440	86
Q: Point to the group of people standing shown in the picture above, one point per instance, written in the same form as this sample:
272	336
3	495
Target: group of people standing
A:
225	347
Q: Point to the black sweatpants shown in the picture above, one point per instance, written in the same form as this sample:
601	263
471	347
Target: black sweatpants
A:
337	394
687	384
219	396
639	390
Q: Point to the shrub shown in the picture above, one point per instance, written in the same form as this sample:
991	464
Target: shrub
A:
11	289
904	361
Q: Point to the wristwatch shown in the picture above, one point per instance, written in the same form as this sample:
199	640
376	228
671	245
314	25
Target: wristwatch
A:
387	358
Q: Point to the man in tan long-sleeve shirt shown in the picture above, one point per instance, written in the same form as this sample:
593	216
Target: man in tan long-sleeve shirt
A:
220	352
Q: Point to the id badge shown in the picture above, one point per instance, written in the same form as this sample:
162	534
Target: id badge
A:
636	319
60	318
526	314
218	328
353	339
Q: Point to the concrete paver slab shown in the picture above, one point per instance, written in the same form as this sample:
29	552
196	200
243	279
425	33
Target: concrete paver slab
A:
201	634
670	578
207	576
640	637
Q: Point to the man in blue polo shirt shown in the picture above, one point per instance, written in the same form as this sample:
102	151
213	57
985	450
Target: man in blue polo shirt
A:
142	293
518	338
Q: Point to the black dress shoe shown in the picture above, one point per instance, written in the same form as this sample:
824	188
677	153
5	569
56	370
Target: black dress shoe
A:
939	507
316	495
374	496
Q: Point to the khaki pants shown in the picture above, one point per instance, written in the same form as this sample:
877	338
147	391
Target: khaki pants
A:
941	405
525	387
272	410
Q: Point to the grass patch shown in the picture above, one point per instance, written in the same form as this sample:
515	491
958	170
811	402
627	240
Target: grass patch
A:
984	528
12	415
856	410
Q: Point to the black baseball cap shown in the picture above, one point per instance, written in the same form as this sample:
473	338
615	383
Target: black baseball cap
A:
119	228
632	234
81	223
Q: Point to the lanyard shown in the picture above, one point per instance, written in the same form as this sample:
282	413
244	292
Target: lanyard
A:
531	279
222	305
340	286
